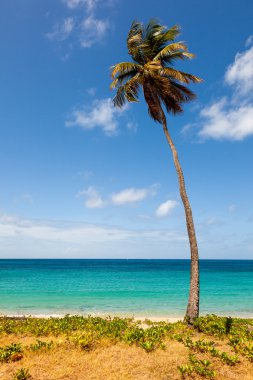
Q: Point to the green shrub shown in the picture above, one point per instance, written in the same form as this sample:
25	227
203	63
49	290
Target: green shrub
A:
12	352
40	344
22	374
85	341
185	370
201	367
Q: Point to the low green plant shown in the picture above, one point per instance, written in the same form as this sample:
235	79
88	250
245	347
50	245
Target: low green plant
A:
242	346
209	347
212	325
22	374
40	344
201	367
85	341
148	346
12	352
185	370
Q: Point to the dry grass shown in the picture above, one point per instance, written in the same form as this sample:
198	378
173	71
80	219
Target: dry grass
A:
111	361
116	349
107	361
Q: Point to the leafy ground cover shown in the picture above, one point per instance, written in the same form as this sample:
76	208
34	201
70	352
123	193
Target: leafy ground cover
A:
76	347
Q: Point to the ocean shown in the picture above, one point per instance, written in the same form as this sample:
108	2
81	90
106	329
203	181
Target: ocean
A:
141	288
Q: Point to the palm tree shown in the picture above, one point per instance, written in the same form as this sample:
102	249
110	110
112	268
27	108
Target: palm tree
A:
154	52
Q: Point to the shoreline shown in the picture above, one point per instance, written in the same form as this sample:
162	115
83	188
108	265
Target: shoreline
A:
141	318
104	316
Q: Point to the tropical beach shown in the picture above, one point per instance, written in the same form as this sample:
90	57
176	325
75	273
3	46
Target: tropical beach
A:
119	319
126	196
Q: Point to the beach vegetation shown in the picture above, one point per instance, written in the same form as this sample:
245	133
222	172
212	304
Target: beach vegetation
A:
201	367
11	352
22	374
70	346
154	51
41	345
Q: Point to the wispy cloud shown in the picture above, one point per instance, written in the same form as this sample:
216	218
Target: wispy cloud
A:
73	4
231	117
21	237
92	198
24	198
231	208
102	114
212	221
37	238
93	30
165	208
83	23
132	126
62	31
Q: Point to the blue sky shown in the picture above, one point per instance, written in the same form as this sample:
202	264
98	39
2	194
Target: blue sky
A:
79	178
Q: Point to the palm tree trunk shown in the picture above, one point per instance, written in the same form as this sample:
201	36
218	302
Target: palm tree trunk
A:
192	311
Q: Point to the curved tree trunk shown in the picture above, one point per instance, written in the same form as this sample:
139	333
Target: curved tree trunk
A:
192	311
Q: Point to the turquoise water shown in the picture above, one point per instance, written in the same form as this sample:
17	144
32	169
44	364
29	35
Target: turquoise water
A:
123	287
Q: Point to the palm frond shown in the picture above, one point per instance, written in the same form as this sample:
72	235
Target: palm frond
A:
120	98
180	75
154	28
186	94
124	68
171	57
127	92
168	36
168	94
134	41
122	78
154	104
155	37
169	49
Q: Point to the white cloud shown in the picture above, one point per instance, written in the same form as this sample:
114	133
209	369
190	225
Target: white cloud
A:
240	72
93	30
83	24
231	117
5	218
92	198
249	41
37	238
63	30
102	115
89	4
132	195
223	121
165	208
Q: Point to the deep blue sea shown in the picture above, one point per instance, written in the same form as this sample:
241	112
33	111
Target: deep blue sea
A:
154	288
